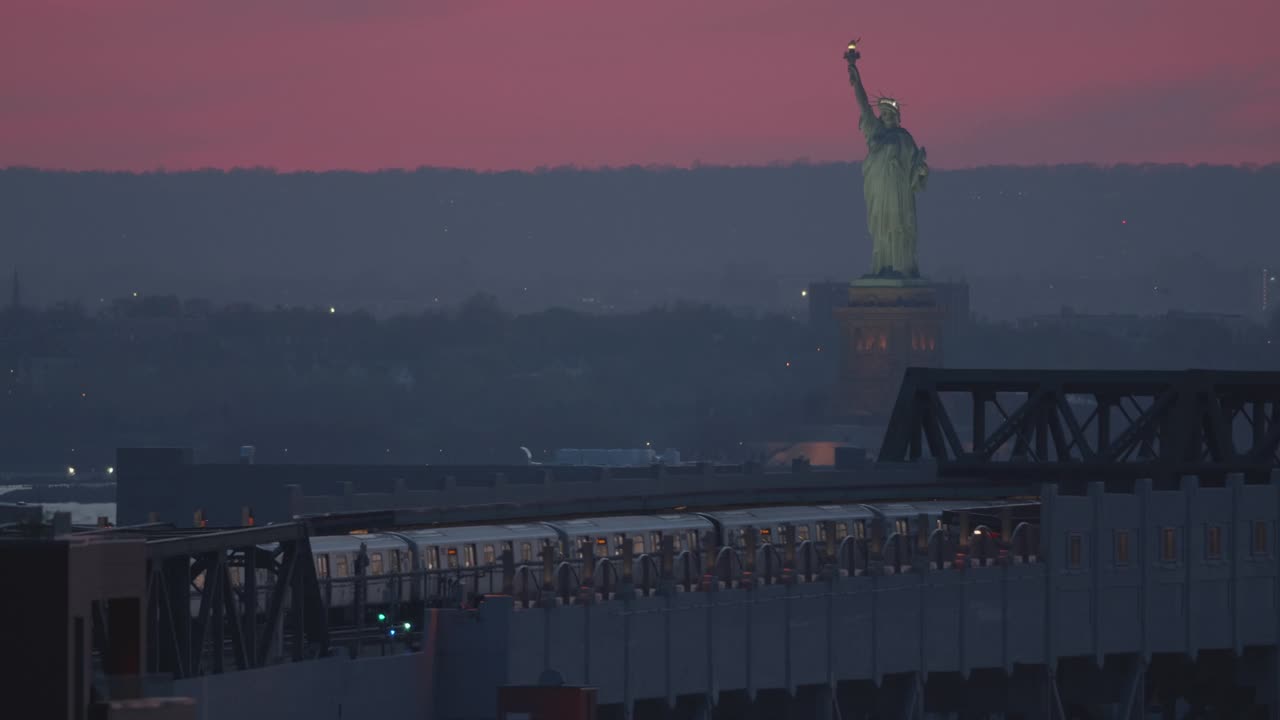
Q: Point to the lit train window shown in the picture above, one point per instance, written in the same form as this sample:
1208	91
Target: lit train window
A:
602	547
765	535
802	533
637	545
1075	550
655	541
618	542
822	532
901	526
340	566
860	529
451	557
693	540
433	557
1213	542
490	557
1168	544
842	531
468	556
1122	547
397	562
526	552
322	567
1261	541
675	542
375	564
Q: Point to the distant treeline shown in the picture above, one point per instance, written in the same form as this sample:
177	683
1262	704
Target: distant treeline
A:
472	382
1126	238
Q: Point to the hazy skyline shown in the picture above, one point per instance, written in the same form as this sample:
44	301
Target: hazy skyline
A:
502	84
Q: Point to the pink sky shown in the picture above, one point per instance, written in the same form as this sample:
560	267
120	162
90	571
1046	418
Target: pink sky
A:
516	84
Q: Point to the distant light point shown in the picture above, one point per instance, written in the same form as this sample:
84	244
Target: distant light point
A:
804	293
332	310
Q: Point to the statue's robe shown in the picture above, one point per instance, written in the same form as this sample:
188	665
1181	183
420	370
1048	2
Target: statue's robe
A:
889	184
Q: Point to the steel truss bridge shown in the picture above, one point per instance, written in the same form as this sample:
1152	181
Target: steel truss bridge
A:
1157	454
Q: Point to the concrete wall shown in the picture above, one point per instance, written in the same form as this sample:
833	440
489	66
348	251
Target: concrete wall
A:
371	688
1082	599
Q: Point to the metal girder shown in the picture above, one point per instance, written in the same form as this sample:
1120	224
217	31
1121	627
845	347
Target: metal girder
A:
198	615
1103	422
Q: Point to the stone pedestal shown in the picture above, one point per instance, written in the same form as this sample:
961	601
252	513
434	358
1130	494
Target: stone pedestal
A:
887	326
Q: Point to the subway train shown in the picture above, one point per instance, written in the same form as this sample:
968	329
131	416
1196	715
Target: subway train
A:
446	564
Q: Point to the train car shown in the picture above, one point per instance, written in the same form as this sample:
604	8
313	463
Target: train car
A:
607	535
390	562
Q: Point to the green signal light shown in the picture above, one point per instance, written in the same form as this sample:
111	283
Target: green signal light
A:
382	617
408	626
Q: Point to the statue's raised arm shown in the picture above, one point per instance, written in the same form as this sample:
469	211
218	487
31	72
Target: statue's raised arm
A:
855	79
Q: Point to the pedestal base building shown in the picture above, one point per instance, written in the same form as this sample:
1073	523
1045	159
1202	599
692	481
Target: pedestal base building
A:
887	326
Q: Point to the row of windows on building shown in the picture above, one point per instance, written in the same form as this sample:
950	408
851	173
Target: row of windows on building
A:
1168	549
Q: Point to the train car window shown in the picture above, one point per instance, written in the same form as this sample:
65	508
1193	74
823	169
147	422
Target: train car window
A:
433	557
842	531
451	557
1261	539
637	545
1213	542
490	555
766	535
602	547
468	556
675	542
901	526
511	546
618	542
397	564
802	533
322	567
526	552
860	529
1168	545
655	541
822	532
1121	550
693	540
375	564
1075	551
340	566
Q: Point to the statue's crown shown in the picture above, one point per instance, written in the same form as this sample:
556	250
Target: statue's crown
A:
888	102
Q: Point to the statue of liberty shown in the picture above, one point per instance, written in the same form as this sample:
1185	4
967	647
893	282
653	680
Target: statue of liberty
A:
894	170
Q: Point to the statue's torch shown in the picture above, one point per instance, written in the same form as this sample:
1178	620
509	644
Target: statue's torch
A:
852	53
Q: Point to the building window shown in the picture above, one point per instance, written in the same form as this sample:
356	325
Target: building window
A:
1168	545
1075	551
1261	538
1122	547
1213	542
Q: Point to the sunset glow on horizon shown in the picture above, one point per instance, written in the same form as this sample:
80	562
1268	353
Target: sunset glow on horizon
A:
504	84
